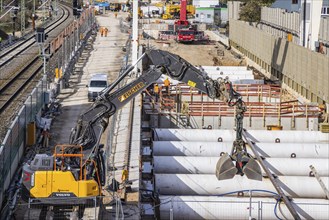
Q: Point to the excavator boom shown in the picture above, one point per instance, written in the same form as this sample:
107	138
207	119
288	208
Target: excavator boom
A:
91	124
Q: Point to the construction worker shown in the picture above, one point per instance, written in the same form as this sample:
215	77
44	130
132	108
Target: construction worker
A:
156	91
46	135
124	176
102	31
167	85
105	31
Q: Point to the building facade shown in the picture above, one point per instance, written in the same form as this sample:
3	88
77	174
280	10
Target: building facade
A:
205	3
216	16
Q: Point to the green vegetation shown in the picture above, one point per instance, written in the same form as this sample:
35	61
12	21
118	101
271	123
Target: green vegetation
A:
251	9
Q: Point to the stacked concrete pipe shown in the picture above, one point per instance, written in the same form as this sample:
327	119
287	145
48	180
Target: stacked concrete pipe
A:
184	170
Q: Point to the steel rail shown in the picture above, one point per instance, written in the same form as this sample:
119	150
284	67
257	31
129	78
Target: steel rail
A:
273	179
10	90
24	75
49	28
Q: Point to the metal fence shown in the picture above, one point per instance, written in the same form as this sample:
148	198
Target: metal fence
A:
194	207
12	147
173	207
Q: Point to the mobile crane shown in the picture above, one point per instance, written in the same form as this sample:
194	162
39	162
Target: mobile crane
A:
77	170
184	31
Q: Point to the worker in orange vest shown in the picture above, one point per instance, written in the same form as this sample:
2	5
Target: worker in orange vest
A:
105	31
167	85
156	91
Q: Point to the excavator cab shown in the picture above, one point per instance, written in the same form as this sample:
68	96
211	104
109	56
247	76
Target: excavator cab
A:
43	177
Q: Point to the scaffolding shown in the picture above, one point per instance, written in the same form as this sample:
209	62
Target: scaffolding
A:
262	102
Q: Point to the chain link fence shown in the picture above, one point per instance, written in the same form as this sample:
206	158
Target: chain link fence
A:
13	145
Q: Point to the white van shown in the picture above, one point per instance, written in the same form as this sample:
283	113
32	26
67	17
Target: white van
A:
96	84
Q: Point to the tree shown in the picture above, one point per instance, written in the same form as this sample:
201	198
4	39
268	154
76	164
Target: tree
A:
251	9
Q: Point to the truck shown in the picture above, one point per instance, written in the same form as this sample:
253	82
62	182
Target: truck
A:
96	84
81	163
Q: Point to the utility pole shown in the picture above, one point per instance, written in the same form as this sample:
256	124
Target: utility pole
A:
22	18
41	37
135	34
13	14
44	11
55	8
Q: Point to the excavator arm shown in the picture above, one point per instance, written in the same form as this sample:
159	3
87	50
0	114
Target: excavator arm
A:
155	63
93	122
87	157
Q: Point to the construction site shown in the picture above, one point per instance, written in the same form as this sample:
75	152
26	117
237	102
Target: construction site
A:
172	114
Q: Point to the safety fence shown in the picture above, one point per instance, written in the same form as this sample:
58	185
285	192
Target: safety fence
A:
214	207
13	145
265	107
67	47
267	102
246	90
173	207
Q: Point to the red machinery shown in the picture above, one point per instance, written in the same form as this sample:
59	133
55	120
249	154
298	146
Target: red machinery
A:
183	30
182	18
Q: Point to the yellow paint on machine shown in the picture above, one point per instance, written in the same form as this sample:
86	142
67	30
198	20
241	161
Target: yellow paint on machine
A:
131	91
48	182
191	83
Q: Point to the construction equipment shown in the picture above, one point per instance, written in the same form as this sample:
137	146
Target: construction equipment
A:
173	11
81	163
184	32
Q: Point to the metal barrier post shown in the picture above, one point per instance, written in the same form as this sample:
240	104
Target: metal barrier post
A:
171	210
250	204
260	208
95	206
29	208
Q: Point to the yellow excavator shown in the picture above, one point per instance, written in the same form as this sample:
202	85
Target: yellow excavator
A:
172	11
77	171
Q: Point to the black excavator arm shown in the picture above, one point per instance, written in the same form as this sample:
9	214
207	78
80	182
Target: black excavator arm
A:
93	122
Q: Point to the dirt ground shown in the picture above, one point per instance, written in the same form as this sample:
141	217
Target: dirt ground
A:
208	54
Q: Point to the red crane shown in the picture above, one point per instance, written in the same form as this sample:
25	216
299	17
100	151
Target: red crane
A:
182	18
184	31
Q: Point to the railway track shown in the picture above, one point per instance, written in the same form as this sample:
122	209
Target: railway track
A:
7	55
25	68
14	86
